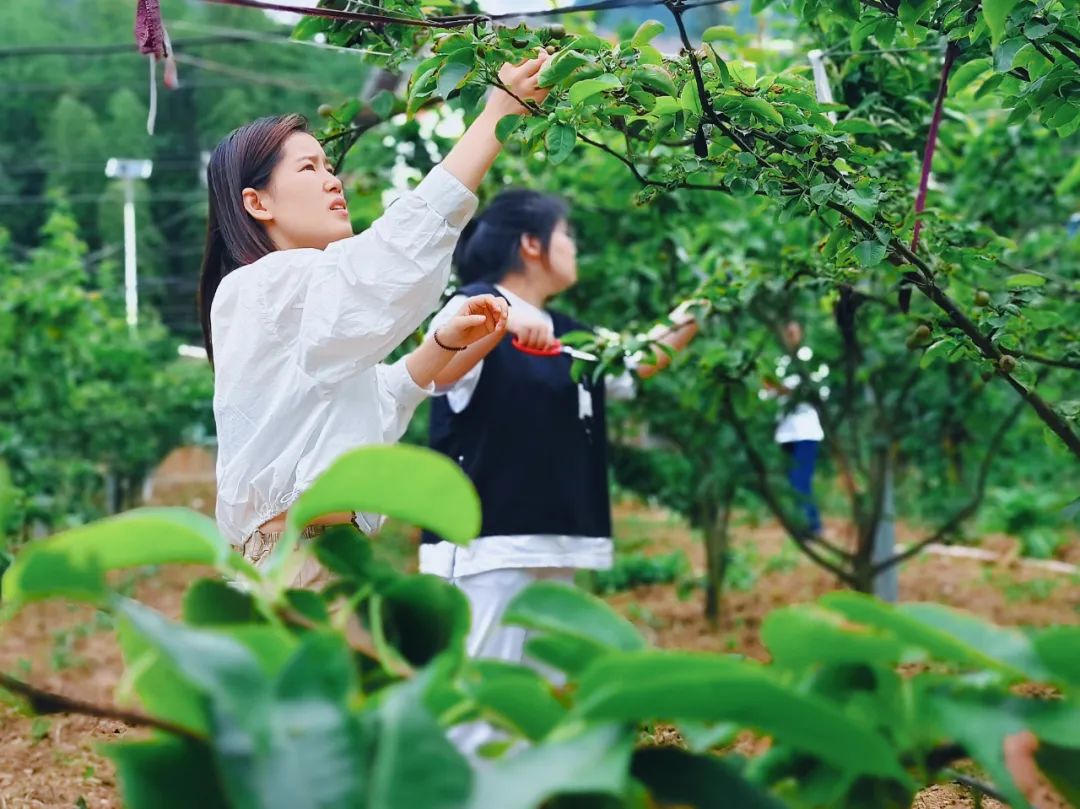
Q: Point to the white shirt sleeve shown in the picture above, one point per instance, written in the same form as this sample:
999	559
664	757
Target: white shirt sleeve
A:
368	292
459	394
399	396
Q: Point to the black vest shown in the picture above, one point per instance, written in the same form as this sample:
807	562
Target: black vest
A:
537	464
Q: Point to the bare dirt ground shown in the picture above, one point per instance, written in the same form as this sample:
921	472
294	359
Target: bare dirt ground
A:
56	762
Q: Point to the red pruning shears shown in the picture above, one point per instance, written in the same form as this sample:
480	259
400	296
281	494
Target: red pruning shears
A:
554	350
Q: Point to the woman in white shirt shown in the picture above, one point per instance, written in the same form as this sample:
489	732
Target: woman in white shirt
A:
532	440
298	314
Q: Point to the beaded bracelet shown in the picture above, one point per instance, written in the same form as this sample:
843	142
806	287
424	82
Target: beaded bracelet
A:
442	345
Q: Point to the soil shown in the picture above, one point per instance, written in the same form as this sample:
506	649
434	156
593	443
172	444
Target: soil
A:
56	762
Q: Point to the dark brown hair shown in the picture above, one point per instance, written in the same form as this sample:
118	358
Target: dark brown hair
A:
245	158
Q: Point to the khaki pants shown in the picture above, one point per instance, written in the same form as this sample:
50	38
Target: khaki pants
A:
309	574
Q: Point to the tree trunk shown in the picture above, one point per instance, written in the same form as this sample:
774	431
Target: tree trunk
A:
715	525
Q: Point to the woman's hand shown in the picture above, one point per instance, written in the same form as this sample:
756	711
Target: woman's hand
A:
479	317
521	80
531	331
473	155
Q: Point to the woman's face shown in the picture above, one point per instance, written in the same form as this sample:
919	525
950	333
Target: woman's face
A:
562	257
303	205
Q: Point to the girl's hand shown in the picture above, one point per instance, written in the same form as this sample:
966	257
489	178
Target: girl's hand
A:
531	331
480	316
521	80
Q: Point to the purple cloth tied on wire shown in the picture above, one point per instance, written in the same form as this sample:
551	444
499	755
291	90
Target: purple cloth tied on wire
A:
153	39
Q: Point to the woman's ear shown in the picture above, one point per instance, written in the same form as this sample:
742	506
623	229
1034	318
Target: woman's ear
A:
255	205
531	247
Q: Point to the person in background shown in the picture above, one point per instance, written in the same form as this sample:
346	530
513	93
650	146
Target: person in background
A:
799	431
531	438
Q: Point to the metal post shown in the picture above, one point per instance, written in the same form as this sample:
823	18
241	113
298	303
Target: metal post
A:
131	281
129	171
886	583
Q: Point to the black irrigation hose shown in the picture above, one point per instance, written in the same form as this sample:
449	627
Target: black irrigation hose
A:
459	21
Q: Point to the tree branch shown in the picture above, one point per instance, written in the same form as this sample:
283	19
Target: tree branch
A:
46	702
1066	52
971	506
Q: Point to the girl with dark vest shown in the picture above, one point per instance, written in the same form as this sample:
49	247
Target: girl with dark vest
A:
532	440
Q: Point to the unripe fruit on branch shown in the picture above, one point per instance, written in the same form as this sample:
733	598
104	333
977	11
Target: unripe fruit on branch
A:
1007	363
325	110
982	298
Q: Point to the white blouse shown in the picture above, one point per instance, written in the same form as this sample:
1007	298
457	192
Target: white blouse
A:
299	340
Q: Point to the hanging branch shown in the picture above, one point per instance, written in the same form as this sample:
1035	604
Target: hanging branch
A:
971	506
46	702
765	490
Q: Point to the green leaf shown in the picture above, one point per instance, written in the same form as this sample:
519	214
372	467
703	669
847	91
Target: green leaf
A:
1024	279
415	765
566	610
560	66
593	762
1061	765
412	484
424	616
563	653
507	126
647	32
1011	647
810	636
915	628
666	105
167	773
996	13
1005	54
718	33
1056	648
933	351
978	722
383	104
161	689
560	140
451	77
663	686
220	667
762	109
676	777
518	695
210	602
588	43
689	98
73	563
656	78
870	252
584	90
967	73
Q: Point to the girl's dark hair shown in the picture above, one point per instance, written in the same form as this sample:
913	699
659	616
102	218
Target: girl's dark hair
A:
244	159
490	246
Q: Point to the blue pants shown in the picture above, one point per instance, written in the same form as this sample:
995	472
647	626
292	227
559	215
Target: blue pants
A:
801	476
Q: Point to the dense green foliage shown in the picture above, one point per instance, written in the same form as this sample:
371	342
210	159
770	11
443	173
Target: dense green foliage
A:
750	199
265	697
76	434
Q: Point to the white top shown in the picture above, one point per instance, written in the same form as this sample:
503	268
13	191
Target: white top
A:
526	550
299	340
803	422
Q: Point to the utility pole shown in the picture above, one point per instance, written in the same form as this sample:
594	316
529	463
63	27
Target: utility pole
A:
129	171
